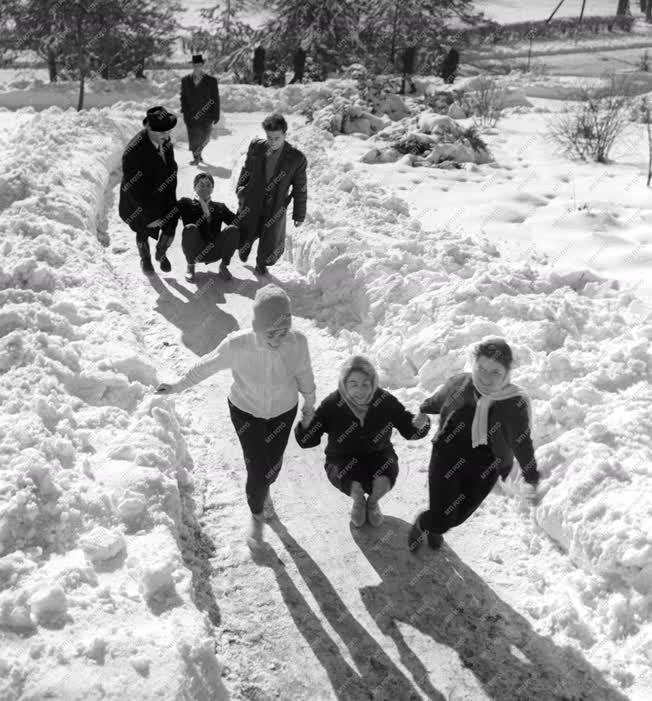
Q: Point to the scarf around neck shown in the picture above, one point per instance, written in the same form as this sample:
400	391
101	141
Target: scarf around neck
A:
363	365
481	416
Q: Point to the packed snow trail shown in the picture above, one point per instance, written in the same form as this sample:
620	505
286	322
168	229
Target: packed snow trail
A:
325	612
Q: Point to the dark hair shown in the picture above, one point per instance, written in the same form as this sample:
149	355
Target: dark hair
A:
496	348
200	176
275	122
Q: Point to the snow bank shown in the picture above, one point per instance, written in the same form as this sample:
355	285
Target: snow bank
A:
95	598
415	300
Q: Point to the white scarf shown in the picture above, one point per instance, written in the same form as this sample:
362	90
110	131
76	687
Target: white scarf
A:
204	206
487	398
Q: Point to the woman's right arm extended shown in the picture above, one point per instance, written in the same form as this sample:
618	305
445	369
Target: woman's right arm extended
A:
219	359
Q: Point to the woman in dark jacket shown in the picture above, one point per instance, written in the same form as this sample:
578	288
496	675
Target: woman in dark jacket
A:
484	422
359	418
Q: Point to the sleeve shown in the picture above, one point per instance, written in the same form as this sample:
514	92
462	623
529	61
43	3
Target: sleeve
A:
433	404
228	217
300	190
311	437
304	375
183	205
402	421
183	98
219	359
216	103
248	167
522	442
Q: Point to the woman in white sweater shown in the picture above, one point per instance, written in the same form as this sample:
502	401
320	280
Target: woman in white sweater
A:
270	364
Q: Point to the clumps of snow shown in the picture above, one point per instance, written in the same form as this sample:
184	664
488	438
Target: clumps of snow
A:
414	300
92	461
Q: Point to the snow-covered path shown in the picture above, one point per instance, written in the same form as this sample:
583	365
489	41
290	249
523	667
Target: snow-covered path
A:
325	612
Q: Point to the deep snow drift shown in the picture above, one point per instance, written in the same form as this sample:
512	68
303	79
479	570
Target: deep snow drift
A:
92	464
96	600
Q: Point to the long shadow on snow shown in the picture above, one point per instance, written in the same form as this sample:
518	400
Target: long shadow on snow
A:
443	598
202	323
379	677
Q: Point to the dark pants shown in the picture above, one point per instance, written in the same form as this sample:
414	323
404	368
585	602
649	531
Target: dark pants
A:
263	443
199	134
457	485
258	76
343	471
298	76
164	240
270	244
200	250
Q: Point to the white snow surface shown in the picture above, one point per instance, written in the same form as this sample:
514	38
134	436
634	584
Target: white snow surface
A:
92	464
95	598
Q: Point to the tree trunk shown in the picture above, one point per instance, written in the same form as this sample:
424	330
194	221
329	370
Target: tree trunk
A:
392	50
623	7
105	72
52	65
648	12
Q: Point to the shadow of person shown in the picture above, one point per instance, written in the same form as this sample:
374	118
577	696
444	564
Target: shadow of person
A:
215	171
441	597
202	323
378	676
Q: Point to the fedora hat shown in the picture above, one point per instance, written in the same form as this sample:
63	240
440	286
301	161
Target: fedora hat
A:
197	58
159	119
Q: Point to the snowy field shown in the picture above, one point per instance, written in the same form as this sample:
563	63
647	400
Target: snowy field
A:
123	569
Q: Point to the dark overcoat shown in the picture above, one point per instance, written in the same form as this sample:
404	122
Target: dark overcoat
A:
200	104
271	202
149	184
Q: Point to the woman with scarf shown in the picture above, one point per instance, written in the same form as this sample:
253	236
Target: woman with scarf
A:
358	418
485	421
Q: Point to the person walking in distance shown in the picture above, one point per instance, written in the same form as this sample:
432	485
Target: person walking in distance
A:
200	106
274	173
270	364
299	64
149	185
359	418
409	58
203	240
259	64
485	421
449	66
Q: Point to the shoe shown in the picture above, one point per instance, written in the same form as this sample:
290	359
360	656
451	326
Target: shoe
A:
243	254
146	266
359	510
190	273
260	269
269	511
225	273
255	531
166	266
374	514
417	536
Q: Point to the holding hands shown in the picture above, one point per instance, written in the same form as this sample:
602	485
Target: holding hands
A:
420	420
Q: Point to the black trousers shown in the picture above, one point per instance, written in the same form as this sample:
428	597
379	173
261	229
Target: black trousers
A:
199	250
458	484
166	233
263	443
343	471
199	134
271	243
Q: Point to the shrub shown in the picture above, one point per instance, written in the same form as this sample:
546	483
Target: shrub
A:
590	129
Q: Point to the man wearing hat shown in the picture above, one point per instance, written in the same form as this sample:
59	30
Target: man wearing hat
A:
200	106
148	192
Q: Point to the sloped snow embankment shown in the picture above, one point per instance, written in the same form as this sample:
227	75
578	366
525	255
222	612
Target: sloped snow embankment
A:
95	599
415	299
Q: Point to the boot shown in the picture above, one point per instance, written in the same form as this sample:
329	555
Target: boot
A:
417	536
225	273
145	256
374	514
255	531
161	250
243	253
190	273
260	269
359	508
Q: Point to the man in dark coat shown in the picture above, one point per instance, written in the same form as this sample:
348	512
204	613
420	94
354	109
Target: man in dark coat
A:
200	106
409	61
203	239
259	64
271	168
299	64
148	192
449	66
